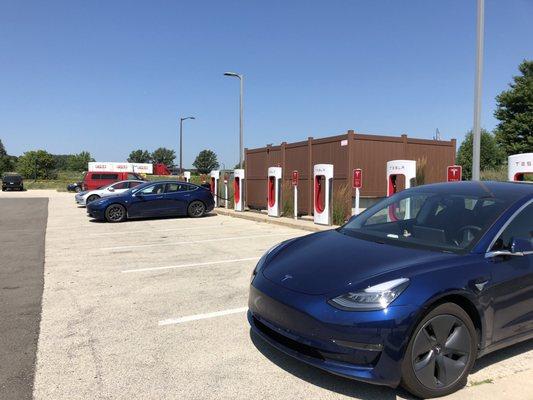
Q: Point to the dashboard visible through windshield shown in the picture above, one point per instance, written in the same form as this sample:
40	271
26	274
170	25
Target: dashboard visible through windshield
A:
446	222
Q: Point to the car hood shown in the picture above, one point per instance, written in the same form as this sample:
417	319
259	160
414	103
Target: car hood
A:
331	261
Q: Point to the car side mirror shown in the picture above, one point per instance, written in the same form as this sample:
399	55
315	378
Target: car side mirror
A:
110	189
521	245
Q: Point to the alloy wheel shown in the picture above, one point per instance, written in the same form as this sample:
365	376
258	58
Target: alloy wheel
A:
196	209
441	351
115	213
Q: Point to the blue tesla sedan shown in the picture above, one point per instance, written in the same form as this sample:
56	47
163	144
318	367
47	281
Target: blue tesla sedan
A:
154	199
412	291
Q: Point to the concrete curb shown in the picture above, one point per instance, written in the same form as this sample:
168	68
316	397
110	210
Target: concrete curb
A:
290	223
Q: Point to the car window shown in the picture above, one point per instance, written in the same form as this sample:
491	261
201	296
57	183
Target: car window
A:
108	176
178	187
133	184
520	227
120	185
158	188
132	176
94	176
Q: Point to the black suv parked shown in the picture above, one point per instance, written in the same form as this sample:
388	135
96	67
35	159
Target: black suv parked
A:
12	181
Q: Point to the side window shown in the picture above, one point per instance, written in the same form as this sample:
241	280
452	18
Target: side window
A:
158	188
133	184
178	187
95	176
120	185
520	227
109	176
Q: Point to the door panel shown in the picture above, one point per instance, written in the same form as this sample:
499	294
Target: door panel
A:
148	202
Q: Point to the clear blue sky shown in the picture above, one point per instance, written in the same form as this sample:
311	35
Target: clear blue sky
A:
112	76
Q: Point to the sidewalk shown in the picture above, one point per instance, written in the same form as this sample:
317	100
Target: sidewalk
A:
304	223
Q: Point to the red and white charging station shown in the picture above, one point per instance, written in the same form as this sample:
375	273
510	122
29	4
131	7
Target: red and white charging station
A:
520	165
274	191
215	178
187	176
397	169
323	193
238	189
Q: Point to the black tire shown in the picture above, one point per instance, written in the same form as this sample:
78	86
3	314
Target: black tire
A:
92	198
441	352
115	213
196	209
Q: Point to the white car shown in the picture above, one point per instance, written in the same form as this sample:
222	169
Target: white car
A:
84	198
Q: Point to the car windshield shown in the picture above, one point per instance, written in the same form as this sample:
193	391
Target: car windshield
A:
436	221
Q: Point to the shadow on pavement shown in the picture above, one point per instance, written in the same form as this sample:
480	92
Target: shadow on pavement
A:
325	380
502	355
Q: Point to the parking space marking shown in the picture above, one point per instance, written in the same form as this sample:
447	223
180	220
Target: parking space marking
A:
189	265
137	246
189	318
163	230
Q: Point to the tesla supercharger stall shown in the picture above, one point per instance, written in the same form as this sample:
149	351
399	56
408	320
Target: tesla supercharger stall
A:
215	178
520	165
274	191
238	189
396	171
323	193
187	176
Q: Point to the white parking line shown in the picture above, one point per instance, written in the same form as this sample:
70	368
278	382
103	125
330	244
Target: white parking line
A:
189	265
137	246
189	318
162	230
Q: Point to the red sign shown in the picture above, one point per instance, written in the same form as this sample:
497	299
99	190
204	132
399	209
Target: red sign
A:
455	173
357	178
295	178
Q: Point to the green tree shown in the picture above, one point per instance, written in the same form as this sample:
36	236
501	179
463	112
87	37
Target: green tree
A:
491	155
39	164
79	162
3	151
206	161
515	111
163	156
140	156
6	161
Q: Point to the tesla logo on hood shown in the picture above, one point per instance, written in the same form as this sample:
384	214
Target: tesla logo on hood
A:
286	277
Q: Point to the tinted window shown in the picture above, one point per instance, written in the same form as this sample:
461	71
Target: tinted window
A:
154	189
133	184
178	187
120	185
520	227
94	176
108	176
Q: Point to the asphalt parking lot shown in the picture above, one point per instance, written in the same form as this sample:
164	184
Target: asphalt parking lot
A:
156	309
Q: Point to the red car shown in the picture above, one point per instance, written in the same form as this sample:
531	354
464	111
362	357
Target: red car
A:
95	180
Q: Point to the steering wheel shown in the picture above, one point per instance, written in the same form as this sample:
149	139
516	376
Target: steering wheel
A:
460	232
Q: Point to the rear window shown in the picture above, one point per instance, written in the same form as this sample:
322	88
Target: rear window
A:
12	178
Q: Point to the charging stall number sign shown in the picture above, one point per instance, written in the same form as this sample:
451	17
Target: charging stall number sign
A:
295	178
357	184
455	173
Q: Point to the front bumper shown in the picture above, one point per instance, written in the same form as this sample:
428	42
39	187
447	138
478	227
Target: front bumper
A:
95	213
366	346
80	201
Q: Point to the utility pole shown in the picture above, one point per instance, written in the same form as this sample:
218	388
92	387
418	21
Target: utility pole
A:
476	145
181	142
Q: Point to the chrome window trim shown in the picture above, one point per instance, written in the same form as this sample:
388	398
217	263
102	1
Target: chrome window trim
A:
511	218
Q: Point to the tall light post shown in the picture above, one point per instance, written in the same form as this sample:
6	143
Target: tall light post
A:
181	142
241	121
476	145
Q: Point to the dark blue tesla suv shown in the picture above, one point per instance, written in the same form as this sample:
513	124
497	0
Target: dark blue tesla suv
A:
154	199
409	292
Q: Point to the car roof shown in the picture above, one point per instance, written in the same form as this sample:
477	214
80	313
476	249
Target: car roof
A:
506	190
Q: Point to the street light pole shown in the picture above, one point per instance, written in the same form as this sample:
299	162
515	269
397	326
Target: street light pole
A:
476	145
181	142
241	115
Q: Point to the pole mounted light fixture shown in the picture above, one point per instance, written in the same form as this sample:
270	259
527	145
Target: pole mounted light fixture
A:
181	141
241	116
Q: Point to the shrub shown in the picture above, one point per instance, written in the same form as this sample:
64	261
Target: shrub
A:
342	204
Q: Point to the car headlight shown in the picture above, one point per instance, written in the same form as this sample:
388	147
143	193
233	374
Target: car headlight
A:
262	260
377	297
